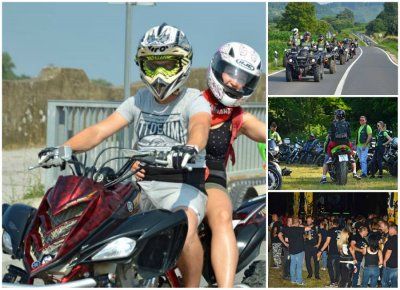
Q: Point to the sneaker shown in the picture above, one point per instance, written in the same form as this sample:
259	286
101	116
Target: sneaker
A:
331	285
363	175
330	160
300	283
356	176
323	180
309	276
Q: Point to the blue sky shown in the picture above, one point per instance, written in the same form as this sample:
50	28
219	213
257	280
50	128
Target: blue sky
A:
91	36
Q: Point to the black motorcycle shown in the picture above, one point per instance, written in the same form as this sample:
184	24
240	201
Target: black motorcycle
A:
390	162
274	170
88	230
305	62
339	168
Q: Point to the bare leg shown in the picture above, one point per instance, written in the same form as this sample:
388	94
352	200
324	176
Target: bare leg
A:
224	252
190	263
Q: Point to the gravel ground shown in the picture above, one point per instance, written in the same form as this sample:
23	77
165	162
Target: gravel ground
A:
16	178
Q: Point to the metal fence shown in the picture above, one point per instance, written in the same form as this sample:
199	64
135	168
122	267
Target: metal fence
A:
66	118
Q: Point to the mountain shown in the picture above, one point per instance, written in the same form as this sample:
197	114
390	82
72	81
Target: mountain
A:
364	12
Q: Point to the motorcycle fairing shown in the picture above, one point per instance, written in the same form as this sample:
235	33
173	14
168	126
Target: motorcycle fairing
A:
68	213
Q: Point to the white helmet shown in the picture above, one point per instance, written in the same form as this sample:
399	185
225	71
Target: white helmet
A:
164	56
295	30
241	63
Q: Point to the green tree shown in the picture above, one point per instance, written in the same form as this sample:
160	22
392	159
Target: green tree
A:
298	14
386	21
8	67
376	25
346	14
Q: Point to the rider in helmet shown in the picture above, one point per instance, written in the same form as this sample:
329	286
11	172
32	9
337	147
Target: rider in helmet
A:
164	56
334	40
321	42
340	133
294	39
233	76
306	41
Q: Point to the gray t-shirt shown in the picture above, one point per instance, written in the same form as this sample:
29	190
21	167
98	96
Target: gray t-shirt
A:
161	126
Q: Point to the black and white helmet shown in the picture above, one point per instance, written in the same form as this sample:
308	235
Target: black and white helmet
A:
241	63
164	56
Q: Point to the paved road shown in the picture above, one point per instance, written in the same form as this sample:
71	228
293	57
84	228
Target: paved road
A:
372	74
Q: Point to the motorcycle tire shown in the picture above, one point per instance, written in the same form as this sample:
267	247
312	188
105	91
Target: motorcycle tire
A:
276	182
317	73
320	160
332	66
341	173
342	59
289	74
254	276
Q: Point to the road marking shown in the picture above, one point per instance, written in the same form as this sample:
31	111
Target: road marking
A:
388	56
340	86
277	72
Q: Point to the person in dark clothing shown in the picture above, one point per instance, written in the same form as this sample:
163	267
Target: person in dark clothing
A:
295	242
347	259
373	261
358	243
323	229
276	243
382	139
333	253
286	256
312	242
389	276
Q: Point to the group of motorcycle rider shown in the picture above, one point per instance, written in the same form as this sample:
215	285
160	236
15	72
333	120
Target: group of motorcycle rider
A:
339	133
206	125
296	41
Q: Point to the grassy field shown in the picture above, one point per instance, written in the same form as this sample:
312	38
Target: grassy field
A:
275	280
308	177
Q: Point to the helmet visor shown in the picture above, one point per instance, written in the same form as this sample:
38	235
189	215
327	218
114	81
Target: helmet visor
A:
236	81
166	65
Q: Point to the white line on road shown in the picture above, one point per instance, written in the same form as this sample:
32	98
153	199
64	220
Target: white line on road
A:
340	86
277	72
391	60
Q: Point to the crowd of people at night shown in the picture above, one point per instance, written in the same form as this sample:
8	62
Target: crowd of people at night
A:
357	251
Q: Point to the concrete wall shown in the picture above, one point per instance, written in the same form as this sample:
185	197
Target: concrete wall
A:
25	101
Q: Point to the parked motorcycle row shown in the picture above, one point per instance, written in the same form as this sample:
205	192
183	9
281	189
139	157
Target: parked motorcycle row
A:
88	231
312	152
301	62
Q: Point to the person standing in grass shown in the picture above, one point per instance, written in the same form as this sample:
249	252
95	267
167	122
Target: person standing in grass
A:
364	137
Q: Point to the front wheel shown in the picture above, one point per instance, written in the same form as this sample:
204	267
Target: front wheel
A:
332	66
289	73
342	59
274	179
317	74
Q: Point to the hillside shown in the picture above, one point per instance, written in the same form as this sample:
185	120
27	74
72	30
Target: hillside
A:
363	11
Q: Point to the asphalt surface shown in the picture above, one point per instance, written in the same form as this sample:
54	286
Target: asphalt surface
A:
372	74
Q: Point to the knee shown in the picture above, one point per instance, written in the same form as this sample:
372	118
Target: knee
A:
220	220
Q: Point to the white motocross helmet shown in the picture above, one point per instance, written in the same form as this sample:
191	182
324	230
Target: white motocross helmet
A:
240	62
164	56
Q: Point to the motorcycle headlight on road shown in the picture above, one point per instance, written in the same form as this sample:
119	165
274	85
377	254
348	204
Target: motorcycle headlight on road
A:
117	249
313	60
7	243
290	60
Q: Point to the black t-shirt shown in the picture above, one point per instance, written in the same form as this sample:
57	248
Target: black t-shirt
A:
296	239
391	244
361	243
333	233
311	236
277	226
324	234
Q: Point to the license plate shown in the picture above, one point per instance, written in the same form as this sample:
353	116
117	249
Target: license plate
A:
343	158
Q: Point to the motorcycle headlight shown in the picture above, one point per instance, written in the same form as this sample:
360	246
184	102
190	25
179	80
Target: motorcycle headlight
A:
346	49
117	249
290	60
313	60
7	244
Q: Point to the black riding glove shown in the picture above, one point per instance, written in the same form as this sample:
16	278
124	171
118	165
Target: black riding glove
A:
46	154
182	154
